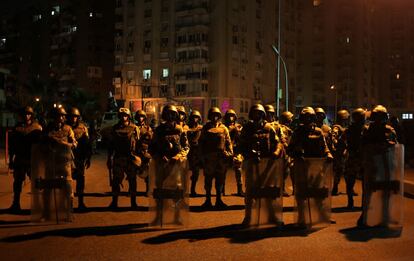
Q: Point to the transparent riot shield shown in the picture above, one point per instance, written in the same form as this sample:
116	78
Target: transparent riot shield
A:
51	183
169	204
383	186
313	185
264	191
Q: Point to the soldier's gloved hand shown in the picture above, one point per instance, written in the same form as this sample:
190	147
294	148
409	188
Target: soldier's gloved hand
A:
329	158
165	159
87	163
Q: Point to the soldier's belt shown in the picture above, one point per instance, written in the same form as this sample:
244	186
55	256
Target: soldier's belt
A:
319	193
58	183
266	192
392	185
168	193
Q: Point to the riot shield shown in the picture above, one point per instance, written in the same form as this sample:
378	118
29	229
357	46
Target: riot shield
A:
313	185
168	195
264	191
51	183
383	186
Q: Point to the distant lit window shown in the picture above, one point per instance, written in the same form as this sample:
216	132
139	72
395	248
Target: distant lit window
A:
74	28
2	42
130	76
165	72
397	76
37	17
407	116
55	10
90	14
348	40
146	74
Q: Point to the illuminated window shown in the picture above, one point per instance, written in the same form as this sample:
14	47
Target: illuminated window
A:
55	10
348	40
37	17
407	116
165	72
90	14
397	76
146	74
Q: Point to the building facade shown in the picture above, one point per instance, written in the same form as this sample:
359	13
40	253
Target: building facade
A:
198	53
62	44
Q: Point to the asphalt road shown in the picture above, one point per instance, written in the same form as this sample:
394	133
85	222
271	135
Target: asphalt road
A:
101	234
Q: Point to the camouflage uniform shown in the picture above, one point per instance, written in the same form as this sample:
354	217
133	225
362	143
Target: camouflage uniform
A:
217	152
194	157
168	147
82	153
22	137
146	135
307	141
338	147
381	135
58	134
122	156
234	131
354	162
258	141
285	124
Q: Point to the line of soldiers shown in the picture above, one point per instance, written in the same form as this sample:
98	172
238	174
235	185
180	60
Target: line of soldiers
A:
216	147
63	129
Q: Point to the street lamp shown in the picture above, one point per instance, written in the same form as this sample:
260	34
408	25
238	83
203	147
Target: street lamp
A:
286	81
333	87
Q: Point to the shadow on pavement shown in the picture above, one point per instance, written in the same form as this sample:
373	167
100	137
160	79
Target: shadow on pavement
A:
345	209
365	234
109	194
237	234
23	212
108	209
204	209
83	231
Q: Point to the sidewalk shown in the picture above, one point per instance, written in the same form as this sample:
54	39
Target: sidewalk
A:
409	181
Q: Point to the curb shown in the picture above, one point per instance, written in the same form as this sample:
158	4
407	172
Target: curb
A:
409	187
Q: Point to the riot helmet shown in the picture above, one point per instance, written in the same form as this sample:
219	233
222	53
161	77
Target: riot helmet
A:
214	114
140	115
286	118
170	113
379	114
182	113
257	112
307	115
123	112
358	116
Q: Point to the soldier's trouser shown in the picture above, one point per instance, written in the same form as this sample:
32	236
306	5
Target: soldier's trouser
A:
19	175
195	173
353	170
78	174
216	170
121	167
339	170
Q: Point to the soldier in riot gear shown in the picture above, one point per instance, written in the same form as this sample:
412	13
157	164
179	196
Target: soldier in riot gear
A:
217	151
320	118
82	153
122	156
182	117
285	121
354	163
338	147
146	134
272	119
258	142
307	141
24	134
58	135
169	148
230	118
194	157
380	138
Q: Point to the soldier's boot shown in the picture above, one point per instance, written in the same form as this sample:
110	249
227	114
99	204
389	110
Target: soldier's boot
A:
81	203
219	203
207	202
350	182
335	189
15	207
133	191
146	186
115	193
350	202
193	192
247	212
240	192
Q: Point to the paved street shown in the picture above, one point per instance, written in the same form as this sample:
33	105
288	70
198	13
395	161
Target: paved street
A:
101	234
